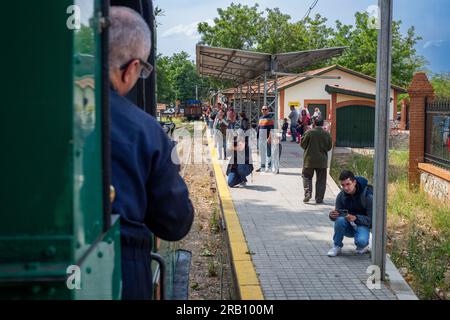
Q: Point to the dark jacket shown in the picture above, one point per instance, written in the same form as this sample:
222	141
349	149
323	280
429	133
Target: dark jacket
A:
244	124
151	196
242	157
354	205
316	143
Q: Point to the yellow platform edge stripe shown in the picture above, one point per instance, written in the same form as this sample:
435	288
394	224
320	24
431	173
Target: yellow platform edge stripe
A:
247	280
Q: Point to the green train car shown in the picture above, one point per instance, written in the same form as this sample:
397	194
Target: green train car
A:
58	238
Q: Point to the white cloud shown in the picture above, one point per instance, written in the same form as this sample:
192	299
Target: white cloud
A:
188	30
434	43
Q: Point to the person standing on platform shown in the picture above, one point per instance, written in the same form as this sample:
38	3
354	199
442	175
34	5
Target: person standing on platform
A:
265	125
293	117
316	143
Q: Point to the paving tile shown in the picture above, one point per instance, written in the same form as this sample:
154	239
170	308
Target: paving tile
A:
291	239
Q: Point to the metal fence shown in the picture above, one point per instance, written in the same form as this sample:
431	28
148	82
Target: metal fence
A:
437	133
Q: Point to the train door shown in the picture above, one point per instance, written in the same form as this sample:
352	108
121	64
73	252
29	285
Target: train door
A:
57	237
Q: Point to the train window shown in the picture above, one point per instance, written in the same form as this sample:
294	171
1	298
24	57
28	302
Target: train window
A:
144	93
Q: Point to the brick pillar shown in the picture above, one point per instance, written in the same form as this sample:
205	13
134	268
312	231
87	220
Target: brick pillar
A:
281	106
394	105
418	91
333	117
403	115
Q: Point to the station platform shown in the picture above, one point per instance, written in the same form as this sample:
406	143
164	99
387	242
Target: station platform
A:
279	244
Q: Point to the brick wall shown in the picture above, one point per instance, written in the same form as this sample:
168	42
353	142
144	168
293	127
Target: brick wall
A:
403	115
419	90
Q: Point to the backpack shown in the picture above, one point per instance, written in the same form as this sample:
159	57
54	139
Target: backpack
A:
244	124
367	190
223	128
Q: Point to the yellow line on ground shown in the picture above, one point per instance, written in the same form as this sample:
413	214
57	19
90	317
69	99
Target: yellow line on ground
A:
247	280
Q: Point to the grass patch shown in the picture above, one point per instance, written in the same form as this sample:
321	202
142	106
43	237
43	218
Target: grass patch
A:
418	226
214	223
362	165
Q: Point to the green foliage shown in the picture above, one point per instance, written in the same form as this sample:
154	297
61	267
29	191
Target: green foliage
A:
276	32
362	165
236	27
243	27
177	78
362	53
214	223
423	247
441	85
212	268
84	40
166	92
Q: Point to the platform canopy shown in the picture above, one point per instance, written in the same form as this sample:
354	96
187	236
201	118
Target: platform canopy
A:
241	66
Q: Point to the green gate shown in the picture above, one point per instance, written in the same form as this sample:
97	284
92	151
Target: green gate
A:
355	126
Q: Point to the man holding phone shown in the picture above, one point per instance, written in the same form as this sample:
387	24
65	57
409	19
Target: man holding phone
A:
352	215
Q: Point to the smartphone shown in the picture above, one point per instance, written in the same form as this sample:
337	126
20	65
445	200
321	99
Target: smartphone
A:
343	212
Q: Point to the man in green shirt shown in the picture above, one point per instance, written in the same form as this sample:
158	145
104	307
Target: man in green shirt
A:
316	143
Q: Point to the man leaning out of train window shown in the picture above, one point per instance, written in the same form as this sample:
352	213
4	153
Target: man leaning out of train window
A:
151	196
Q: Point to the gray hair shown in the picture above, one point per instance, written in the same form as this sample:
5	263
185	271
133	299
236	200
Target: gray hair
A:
129	37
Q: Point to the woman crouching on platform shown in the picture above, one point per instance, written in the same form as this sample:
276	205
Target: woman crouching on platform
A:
240	165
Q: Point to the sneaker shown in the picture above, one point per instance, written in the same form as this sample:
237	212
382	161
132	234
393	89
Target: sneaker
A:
335	251
260	169
319	201
361	251
243	184
306	199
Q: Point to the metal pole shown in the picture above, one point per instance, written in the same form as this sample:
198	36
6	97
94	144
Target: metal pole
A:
249	96
265	89
381	135
240	98
274	68
258	105
276	102
196	92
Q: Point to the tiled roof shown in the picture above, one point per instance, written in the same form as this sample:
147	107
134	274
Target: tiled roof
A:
289	81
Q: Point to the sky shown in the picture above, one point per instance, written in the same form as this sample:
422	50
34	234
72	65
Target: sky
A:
177	29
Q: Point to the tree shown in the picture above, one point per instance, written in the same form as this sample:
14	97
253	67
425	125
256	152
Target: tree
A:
318	35
236	27
276	33
184	76
84	40
177	78
441	85
362	52
164	84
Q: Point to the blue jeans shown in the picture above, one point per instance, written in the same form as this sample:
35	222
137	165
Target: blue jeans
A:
265	153
293	132
343	228
242	171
